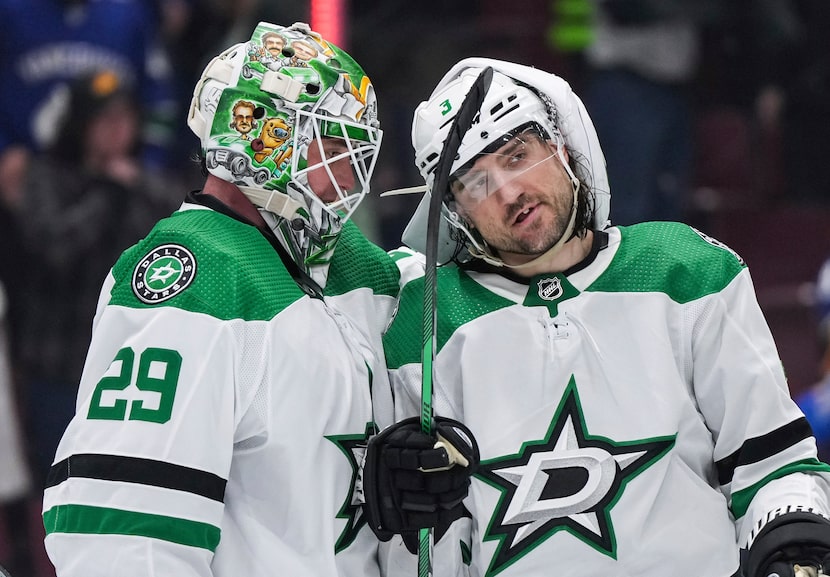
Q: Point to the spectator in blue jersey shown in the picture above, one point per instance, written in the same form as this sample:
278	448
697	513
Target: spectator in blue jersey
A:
46	43
631	410
815	401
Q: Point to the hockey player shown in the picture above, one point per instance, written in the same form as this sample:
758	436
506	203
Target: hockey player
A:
226	397
630	407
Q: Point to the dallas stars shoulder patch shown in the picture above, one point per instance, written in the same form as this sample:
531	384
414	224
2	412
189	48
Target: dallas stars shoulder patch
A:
163	273
570	481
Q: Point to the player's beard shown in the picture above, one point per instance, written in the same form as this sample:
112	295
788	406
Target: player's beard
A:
546	235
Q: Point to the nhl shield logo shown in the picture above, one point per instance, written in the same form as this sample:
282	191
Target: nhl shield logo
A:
163	273
550	289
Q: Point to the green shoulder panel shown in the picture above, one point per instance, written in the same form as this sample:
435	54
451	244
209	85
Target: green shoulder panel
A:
671	258
460	300
206	262
359	263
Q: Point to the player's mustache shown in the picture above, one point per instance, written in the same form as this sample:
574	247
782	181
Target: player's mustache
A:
516	207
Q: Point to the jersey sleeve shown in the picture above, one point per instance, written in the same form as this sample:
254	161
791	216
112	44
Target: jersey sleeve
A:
138	480
390	404
765	455
410	263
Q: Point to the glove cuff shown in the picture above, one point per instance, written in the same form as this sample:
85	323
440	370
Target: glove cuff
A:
799	537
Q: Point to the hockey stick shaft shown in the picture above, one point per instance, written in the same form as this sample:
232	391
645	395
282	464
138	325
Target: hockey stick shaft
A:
462	122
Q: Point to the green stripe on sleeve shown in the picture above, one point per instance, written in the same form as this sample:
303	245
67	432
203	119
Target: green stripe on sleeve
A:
106	521
741	499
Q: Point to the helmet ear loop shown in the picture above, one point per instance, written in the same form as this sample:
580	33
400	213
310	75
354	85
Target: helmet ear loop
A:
575	184
561	154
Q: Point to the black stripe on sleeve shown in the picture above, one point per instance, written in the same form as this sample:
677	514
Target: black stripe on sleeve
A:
141	471
759	448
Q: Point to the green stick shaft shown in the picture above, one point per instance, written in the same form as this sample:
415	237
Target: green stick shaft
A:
462	122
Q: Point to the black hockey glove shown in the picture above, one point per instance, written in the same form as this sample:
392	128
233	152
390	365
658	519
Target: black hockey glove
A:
788	544
412	480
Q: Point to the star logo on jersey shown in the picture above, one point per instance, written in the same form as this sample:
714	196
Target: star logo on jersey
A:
568	481
354	447
163	273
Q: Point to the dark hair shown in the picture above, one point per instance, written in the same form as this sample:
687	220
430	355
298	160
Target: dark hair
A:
88	95
586	199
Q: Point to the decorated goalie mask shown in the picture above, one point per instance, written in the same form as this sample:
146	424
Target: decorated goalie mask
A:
258	109
522	105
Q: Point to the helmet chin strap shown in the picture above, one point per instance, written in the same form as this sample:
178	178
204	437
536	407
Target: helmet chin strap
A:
274	201
481	253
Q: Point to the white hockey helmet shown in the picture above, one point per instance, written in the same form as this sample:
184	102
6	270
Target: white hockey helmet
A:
259	106
519	96
506	107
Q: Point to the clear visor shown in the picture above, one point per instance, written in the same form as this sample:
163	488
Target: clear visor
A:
511	156
339	164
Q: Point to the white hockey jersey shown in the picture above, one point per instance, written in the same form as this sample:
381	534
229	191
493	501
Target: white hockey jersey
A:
223	412
632	413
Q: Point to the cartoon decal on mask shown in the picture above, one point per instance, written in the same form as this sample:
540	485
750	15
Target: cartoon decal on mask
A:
274	141
262	131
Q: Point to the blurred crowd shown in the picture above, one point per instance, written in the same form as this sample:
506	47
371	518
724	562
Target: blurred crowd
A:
730	100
